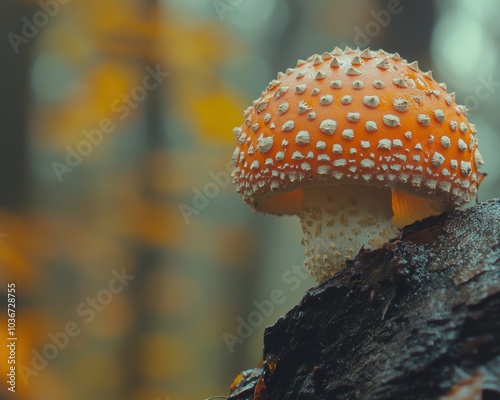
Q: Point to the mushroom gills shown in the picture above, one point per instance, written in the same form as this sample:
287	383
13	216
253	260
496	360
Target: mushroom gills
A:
408	208
338	220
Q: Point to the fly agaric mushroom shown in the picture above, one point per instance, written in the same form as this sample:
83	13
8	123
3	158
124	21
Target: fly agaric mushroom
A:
357	144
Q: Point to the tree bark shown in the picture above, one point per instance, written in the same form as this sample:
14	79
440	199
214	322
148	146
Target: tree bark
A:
417	319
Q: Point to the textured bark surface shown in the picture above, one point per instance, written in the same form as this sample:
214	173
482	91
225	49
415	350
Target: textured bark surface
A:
417	319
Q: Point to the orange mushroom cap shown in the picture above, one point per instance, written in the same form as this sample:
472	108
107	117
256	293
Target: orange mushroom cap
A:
355	116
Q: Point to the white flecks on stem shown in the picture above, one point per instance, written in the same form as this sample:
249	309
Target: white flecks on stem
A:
337	221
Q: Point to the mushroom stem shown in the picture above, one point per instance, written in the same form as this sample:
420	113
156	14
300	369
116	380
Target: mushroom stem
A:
338	220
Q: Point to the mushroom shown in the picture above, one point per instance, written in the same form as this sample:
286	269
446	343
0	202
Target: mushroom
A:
357	143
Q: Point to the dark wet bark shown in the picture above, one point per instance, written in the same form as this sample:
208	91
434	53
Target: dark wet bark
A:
418	319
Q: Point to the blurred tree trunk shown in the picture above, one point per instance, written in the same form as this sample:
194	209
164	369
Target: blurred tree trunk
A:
148	257
14	105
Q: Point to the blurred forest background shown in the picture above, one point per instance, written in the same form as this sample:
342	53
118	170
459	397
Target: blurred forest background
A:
116	132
